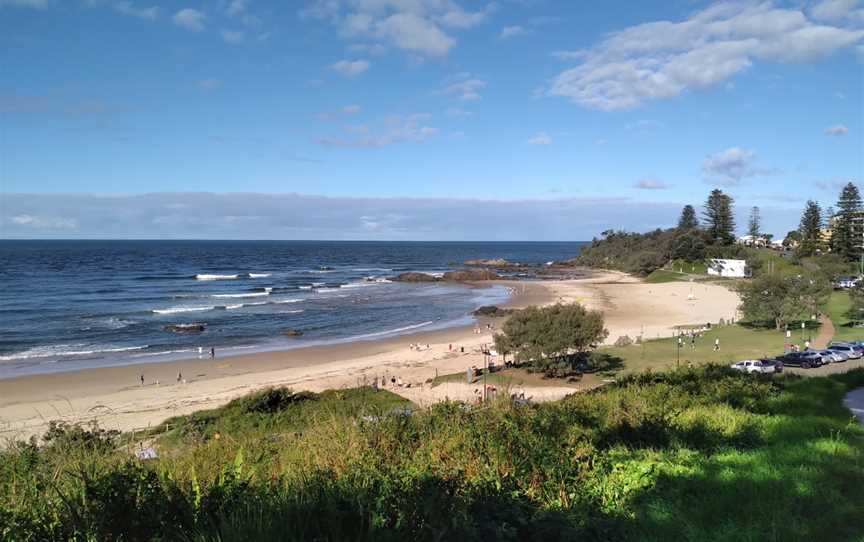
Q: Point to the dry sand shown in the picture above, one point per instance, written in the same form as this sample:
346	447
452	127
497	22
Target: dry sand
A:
114	397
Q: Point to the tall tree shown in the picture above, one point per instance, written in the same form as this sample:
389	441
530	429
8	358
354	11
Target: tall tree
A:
754	225
719	222
688	220
810	229
845	235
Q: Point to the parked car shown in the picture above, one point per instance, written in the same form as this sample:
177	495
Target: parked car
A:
832	356
778	365
754	366
848	349
805	359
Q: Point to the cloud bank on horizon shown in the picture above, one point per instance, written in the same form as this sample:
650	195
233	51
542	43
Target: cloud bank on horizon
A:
420	108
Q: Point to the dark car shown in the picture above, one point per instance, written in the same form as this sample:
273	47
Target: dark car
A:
778	365
805	360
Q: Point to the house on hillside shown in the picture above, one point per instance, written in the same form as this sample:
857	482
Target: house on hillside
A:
727	268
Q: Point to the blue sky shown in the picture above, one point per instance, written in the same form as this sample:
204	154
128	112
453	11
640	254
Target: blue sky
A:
407	114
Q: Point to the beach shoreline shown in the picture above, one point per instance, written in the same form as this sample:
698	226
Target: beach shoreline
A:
115	398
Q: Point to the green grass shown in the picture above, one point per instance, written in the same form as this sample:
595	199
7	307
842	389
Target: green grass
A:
664	275
736	343
517	376
837	309
703	454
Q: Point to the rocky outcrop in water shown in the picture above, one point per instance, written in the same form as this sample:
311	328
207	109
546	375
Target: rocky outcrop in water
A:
470	275
494	262
185	328
416	277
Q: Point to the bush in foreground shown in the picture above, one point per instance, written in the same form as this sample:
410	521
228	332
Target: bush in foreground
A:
694	454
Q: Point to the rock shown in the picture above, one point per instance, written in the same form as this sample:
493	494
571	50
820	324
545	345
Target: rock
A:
470	275
292	332
493	311
415	277
185	328
495	262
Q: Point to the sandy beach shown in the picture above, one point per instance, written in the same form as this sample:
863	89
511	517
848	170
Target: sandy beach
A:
115	398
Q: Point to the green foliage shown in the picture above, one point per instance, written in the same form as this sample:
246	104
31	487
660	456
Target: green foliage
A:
810	230
655	456
688	220
754	224
777	300
642	253
718	218
552	338
844	240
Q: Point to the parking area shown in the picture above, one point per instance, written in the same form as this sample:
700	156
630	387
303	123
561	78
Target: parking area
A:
828	369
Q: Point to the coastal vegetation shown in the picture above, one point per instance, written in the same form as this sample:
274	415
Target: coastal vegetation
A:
696	453
553	340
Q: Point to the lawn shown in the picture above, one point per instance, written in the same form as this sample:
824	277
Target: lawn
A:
736	343
665	275
837	308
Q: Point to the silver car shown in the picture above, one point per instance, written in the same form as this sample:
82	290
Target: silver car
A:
833	356
850	351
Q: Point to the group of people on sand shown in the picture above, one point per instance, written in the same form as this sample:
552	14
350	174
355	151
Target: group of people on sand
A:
418	347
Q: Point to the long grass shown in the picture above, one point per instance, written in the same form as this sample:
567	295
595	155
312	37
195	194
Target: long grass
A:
693	454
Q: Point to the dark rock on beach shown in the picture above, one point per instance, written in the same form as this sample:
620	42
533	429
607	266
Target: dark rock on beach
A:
185	328
493	311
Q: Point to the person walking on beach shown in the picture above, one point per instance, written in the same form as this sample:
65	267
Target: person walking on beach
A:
212	353
716	344
179	377
142	379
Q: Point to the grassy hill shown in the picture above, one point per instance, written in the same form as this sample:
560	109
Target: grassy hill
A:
692	454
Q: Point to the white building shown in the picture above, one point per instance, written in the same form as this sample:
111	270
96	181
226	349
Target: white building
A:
727	268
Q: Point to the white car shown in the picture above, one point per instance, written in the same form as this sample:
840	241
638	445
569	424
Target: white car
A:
832	356
753	366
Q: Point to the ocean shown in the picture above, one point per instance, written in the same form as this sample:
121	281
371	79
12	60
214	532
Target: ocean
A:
68	305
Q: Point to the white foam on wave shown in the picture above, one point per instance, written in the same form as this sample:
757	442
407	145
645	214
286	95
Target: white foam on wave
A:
175	310
162	353
326	290
356	285
258	275
392	331
64	350
305	287
216	277
296	311
244	294
290	300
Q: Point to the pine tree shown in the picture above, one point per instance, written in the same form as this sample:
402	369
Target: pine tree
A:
688	219
754	225
845	236
719	222
810	229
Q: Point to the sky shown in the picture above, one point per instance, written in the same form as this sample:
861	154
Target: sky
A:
420	119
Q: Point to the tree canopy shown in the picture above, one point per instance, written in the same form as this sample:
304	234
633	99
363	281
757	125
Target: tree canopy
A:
719	219
688	220
810	229
776	300
844	240
548	336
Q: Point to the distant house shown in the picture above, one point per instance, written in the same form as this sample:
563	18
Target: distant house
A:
727	268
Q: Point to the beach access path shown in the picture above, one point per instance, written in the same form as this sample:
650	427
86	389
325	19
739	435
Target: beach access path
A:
114	398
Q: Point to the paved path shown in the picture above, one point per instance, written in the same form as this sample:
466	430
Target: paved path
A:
854	401
826	333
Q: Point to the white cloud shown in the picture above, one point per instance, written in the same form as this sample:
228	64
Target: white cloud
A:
416	26
837	130
511	32
664	59
34	4
540	138
351	109
236	7
730	166
233	37
127	8
395	129
651	184
837	11
458	113
44	223
350	68
210	84
190	19
465	87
